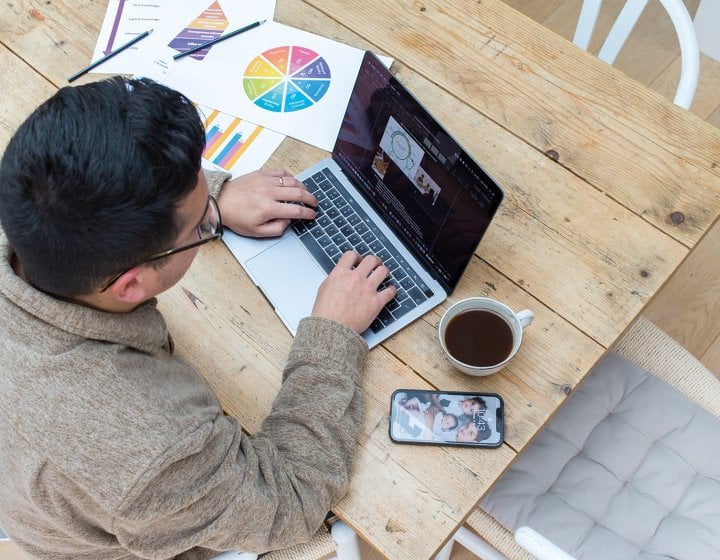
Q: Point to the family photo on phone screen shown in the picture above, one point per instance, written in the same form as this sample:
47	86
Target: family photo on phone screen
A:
446	418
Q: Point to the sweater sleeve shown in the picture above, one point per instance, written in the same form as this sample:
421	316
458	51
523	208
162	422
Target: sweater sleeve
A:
219	489
216	179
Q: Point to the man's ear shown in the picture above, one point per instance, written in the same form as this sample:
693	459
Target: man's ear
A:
132	287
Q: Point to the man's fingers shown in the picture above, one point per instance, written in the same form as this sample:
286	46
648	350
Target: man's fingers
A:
348	260
273	228
295	194
368	264
287	211
379	273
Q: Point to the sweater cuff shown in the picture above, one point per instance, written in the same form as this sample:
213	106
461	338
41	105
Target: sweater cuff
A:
324	341
216	179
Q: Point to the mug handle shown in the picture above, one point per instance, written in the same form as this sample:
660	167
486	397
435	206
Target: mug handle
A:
525	317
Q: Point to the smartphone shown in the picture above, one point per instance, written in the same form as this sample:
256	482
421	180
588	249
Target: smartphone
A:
458	418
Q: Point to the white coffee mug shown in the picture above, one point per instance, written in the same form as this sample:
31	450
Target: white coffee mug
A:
516	322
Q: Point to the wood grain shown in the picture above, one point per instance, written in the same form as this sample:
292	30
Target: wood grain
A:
244	365
593	166
57	38
686	306
538	86
10	551
16	75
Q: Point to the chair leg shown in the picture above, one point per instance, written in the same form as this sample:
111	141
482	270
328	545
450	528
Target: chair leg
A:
446	550
348	546
477	545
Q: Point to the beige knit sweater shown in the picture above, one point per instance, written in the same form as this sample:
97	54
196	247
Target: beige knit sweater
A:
111	447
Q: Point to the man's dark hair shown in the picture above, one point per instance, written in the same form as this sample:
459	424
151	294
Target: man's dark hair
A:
91	181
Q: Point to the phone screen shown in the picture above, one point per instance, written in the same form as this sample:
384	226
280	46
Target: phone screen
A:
446	418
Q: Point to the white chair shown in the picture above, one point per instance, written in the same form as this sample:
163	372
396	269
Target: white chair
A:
684	28
628	465
339	543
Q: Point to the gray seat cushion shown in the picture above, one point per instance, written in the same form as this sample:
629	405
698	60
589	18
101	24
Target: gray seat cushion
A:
629	468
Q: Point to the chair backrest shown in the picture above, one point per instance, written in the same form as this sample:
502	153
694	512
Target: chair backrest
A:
624	24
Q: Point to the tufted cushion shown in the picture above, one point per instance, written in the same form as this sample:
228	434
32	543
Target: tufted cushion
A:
629	468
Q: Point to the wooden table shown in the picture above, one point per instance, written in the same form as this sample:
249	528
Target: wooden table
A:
608	187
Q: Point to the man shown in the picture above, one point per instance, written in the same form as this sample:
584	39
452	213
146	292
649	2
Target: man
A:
113	447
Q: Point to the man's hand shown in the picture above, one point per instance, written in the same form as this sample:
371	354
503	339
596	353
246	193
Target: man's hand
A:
349	295
258	204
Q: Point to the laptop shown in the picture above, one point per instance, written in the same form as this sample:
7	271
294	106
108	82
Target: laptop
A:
398	186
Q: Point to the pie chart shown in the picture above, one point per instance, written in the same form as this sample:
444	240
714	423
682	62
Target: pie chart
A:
286	79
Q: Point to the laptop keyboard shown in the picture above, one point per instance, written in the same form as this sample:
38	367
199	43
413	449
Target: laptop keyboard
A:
342	225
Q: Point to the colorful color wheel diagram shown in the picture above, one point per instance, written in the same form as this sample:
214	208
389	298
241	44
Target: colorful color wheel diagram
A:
285	79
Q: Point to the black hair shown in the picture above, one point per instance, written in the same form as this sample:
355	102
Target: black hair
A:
480	401
90	182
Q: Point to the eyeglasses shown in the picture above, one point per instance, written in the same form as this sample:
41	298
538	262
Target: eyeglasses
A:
209	229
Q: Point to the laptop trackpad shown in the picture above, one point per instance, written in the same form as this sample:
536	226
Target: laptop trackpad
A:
290	279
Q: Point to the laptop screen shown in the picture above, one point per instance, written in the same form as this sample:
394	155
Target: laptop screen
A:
437	199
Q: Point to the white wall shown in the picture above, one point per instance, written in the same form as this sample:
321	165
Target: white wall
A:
707	26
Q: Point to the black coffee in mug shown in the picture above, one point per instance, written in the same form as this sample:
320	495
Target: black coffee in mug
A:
479	338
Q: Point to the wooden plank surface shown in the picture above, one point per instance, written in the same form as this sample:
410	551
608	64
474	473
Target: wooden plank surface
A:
8	551
56	38
16	76
561	245
244	364
540	88
550	221
688	307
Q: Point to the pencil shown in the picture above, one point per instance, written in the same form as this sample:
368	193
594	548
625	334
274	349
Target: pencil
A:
218	39
120	49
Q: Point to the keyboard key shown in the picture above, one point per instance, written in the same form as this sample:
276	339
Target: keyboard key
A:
407	283
405	306
341	225
384	255
376	246
416	295
299	227
399	274
385	316
376	326
325	262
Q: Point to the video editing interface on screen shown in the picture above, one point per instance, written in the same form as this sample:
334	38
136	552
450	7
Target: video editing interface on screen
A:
437	199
